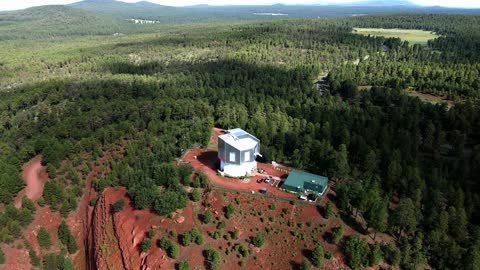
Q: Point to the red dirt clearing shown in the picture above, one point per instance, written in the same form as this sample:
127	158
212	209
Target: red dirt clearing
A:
35	176
206	160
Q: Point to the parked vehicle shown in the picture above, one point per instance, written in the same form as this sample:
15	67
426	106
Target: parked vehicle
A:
303	197
260	170
268	179
263	190
260	180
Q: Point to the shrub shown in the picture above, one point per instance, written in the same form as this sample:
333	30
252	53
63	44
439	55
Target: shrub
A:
305	265
169	247
99	184
196	236
2	257
170	201
183	265
145	245
337	234
195	195
259	240
221	225
229	211
318	256
93	201
242	250
43	238
207	217
118	205
151	234
329	210
185	171
186	238
215	234
212	259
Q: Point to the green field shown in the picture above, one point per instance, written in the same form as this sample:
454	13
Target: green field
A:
413	36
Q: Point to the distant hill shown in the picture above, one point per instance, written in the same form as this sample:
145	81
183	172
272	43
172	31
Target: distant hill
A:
143	9
54	21
380	3
106	17
203	12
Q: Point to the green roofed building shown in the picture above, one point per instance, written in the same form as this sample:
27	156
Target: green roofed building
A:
301	182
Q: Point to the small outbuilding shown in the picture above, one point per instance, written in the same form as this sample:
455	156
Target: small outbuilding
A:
304	182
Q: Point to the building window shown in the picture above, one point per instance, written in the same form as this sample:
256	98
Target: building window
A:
247	157
232	156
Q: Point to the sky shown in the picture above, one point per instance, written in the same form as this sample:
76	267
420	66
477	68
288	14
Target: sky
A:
20	4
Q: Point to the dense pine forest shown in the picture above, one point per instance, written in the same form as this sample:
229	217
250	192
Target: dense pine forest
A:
408	167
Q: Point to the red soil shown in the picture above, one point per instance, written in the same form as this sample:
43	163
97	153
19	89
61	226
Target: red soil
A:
282	249
79	220
35	176
207	161
116	236
15	258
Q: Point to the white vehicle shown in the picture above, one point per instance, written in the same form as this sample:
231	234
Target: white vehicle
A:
268	179
303	197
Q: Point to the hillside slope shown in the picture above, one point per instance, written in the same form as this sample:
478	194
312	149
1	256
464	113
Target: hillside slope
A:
54	21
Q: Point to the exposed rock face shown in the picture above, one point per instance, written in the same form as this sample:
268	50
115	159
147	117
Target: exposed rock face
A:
115	237
105	253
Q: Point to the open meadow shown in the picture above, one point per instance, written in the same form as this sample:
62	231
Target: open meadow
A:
413	36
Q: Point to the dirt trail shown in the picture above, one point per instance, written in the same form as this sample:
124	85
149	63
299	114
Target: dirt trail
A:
35	176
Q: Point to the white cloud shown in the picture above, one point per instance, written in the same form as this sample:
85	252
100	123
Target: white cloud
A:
20	4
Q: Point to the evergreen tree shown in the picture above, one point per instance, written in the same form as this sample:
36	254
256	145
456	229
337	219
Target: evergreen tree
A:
66	237
341	161
318	256
183	265
212	259
356	251
377	217
329	210
207	217
305	265
405	216
43	238
2	257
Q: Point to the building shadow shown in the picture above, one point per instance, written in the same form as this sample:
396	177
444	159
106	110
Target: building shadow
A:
210	160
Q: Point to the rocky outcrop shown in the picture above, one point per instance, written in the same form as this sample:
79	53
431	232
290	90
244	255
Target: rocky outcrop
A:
115	237
105	252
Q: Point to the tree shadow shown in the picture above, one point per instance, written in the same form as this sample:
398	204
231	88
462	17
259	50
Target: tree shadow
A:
307	253
320	210
350	221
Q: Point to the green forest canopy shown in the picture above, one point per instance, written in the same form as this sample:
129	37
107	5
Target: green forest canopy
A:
162	92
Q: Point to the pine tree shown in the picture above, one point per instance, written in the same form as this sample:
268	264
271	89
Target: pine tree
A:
329	210
66	237
377	217
341	161
318	256
43	238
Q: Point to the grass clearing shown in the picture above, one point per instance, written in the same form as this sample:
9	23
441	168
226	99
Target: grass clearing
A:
413	36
